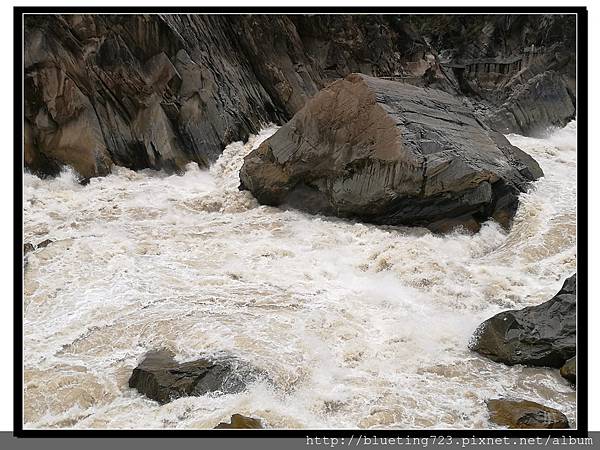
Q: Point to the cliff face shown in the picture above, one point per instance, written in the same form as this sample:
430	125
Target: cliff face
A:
159	91
522	66
138	91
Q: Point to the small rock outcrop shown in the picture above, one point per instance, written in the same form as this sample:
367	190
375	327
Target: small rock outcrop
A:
569	370
161	378
387	152
240	422
525	414
542	335
541	102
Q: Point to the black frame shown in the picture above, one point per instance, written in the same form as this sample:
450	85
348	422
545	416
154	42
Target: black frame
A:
442	435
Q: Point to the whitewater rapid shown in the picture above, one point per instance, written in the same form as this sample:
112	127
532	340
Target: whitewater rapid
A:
357	325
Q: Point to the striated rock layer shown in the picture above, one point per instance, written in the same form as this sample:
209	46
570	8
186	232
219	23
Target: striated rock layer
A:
390	153
158	91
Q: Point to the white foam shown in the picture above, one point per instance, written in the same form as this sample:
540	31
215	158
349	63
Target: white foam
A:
357	325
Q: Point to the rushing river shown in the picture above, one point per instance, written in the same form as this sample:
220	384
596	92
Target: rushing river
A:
357	325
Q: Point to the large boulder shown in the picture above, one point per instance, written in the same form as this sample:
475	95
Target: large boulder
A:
161	378
390	153
525	414
161	90
542	335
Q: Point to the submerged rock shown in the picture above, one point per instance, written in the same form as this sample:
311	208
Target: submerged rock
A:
542	335
161	378
239	421
390	153
569	370
44	243
525	414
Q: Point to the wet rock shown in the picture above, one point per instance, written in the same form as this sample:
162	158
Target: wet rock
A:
542	335
44	243
525	414
390	153
568	370
239	421
161	378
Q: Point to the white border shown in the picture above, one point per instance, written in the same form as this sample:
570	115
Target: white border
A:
6	121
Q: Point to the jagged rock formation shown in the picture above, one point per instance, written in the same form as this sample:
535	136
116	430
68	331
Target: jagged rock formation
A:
522	66
391	153
161	378
525	414
542	101
542	335
159	91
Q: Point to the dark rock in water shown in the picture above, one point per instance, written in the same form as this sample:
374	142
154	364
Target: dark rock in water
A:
390	153
542	335
569	370
161	378
28	247
44	243
542	102
525	414
238	421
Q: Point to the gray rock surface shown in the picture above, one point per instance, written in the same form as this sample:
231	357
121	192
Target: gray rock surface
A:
158	91
161	378
541	335
391	153
525	414
535	105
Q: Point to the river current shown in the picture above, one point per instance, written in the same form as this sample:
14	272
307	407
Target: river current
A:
356	325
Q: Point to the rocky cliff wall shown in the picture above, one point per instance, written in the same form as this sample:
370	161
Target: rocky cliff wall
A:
159	91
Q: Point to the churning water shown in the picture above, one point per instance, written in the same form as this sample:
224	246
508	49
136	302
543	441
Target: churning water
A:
357	325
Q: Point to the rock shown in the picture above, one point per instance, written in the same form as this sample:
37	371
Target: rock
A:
239	421
390	153
568	370
537	91
542	102
44	243
28	247
542	335
161	90
525	414
161	378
